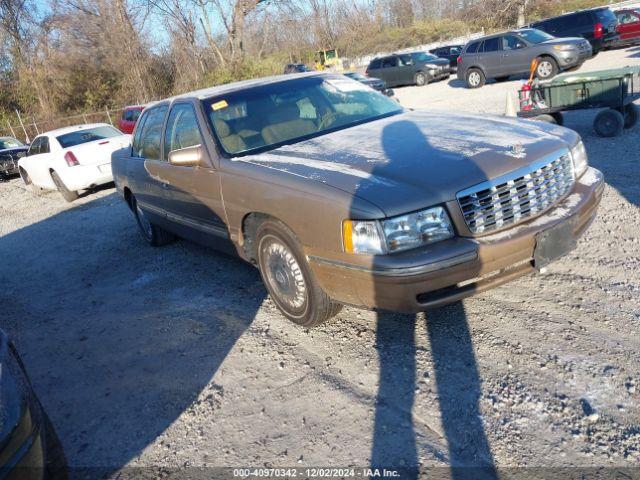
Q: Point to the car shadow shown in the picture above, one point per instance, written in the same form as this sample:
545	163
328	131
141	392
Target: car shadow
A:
455	369
120	338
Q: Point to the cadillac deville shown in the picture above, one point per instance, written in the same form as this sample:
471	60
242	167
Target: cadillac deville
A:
341	196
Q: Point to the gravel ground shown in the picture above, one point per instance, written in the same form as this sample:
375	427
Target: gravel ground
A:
174	357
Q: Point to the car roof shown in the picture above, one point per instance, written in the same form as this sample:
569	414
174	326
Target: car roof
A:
577	12
135	107
209	92
74	128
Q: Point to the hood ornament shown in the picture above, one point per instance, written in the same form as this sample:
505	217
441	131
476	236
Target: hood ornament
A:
517	151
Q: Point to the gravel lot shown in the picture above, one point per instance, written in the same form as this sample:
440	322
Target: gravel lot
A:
174	357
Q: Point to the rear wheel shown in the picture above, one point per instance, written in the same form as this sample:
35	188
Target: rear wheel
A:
475	78
609	123
68	195
153	234
547	68
288	278
420	79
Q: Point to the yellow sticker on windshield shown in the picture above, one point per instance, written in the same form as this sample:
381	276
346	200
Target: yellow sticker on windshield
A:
219	105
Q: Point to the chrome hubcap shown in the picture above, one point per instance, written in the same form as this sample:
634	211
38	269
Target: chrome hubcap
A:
474	79
285	275
145	225
544	69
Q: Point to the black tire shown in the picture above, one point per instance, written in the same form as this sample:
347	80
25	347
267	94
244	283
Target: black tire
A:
546	118
68	195
609	123
420	79
288	278
547	68
475	78
631	114
502	79
154	235
25	176
558	117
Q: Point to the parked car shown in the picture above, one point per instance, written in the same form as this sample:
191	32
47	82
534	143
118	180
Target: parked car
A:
375	83
502	55
628	26
129	117
72	158
339	195
450	52
296	68
11	150
29	446
598	25
417	68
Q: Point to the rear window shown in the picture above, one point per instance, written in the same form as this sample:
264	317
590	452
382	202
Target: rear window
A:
605	16
89	135
473	48
131	115
374	64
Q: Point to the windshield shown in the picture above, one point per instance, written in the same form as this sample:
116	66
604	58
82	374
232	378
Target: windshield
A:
356	76
89	135
535	36
423	57
10	142
265	117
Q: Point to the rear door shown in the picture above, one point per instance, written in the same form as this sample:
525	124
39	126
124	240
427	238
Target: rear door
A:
389	71
491	57
192	193
145	154
406	69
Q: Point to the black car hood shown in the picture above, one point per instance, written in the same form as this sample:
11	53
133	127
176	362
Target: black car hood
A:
13	150
416	159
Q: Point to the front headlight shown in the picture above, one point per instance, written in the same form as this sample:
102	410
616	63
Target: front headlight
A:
397	234
564	48
580	159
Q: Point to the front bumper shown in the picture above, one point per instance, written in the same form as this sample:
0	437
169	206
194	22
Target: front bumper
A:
454	269
574	58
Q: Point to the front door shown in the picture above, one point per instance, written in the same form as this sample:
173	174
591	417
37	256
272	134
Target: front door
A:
516	58
192	193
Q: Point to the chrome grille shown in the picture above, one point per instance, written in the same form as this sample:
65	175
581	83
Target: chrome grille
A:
518	195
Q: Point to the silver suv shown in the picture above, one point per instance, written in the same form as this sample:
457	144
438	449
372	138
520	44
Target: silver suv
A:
511	53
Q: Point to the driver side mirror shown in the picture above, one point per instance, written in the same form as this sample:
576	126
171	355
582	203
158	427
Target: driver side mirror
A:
188	157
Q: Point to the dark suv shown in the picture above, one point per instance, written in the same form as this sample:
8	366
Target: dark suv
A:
598	25
417	68
502	55
450	52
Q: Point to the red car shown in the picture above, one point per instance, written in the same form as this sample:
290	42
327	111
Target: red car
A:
129	117
628	26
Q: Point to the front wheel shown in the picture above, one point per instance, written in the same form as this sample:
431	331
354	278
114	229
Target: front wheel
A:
288	278
68	195
547	68
420	79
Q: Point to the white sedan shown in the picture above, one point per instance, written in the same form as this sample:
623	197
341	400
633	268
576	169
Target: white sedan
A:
72	158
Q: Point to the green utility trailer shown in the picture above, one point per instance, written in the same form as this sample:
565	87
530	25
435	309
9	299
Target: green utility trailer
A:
614	90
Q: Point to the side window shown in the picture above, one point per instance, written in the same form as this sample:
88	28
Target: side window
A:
389	62
182	129
473	48
405	60
375	64
511	42
582	20
492	44
44	145
34	149
150	137
136	138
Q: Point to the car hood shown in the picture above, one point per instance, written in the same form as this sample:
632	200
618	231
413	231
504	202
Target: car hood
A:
565	41
14	150
373	82
416	159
